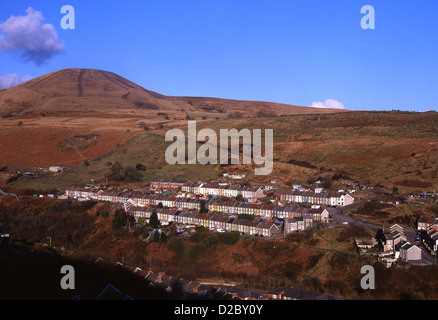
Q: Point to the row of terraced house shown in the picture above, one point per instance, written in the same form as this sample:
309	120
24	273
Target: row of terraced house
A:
258	227
190	196
211	189
318	196
231	207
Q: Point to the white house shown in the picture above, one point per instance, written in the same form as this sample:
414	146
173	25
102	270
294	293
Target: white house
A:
410	252
345	200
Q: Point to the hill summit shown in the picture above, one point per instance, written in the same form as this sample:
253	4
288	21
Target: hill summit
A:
79	91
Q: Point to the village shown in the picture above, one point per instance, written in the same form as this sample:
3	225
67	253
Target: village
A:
254	211
223	207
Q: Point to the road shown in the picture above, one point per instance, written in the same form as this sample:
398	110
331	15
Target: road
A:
340	219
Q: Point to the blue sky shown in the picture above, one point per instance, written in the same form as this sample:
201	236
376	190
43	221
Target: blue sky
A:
295	52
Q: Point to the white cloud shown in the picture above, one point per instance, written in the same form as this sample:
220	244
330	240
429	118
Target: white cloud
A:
37	42
329	103
11	80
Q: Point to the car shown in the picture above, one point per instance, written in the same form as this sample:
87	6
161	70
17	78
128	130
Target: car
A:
345	223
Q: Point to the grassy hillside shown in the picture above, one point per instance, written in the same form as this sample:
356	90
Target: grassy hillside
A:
391	148
146	149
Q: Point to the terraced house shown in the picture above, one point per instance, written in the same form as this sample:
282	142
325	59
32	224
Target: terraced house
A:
326	198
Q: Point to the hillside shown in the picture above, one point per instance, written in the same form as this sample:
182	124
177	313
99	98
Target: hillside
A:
74	91
69	116
391	148
82	92
87	120
387	148
321	260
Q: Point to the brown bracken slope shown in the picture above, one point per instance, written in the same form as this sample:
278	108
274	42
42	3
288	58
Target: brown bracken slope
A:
79	91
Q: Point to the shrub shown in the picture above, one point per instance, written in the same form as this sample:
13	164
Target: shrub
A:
293	269
163	237
143	125
13	178
132	175
198	236
231	237
348	233
203	239
314	260
117	222
103	214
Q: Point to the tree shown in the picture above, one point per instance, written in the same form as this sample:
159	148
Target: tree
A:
119	219
163	237
203	208
326	183
153	221
116	172
132	175
156	236
311	180
239	197
337	176
160	205
232	237
140	167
